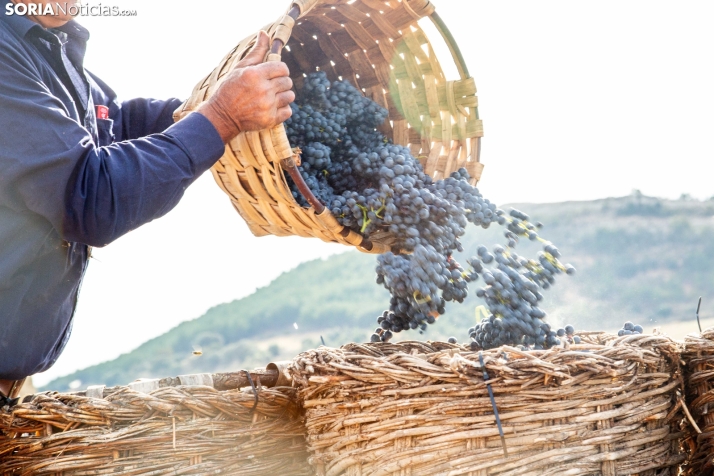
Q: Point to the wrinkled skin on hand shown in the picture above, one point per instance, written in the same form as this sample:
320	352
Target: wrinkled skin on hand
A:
254	96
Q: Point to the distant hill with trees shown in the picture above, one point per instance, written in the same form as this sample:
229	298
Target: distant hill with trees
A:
638	258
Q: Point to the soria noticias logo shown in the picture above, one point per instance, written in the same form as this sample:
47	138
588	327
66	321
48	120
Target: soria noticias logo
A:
71	9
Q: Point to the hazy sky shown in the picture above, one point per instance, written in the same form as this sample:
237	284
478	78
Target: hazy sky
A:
580	100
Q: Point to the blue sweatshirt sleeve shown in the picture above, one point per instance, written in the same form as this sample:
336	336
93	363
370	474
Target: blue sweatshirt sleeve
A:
141	117
91	194
118	188
135	118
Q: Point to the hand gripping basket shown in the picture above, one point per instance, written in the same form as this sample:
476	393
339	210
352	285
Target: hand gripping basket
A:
379	47
606	407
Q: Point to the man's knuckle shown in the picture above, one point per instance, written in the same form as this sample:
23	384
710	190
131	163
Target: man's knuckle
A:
251	73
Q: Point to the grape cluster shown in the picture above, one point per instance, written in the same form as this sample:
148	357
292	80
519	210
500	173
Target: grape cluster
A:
429	221
374	186
512	290
629	329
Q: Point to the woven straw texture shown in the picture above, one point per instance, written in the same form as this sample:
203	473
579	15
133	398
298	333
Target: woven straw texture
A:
379	47
699	358
186	430
604	407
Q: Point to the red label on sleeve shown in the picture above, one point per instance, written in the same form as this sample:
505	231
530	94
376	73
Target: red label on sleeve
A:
102	112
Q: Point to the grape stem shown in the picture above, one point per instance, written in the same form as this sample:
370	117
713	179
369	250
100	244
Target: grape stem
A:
554	261
481	309
379	210
365	221
421	299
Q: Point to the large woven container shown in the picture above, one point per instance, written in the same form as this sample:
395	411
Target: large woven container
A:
170	430
606	407
379	47
698	356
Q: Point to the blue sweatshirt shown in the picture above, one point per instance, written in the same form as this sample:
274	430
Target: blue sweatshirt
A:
69	181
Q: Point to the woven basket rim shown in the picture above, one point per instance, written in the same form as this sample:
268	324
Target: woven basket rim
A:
379	408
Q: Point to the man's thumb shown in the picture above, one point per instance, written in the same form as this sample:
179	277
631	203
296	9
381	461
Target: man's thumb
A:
259	51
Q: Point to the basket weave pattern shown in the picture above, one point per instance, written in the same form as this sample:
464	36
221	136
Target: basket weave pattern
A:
194	430
379	47
604	407
699	356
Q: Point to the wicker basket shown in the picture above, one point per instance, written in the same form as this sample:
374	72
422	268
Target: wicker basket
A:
178	430
605	407
698	356
379	47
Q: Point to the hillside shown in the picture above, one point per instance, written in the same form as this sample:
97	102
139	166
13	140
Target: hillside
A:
638	258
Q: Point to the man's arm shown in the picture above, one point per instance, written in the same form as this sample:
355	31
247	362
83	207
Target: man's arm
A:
141	117
90	195
118	188
93	195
